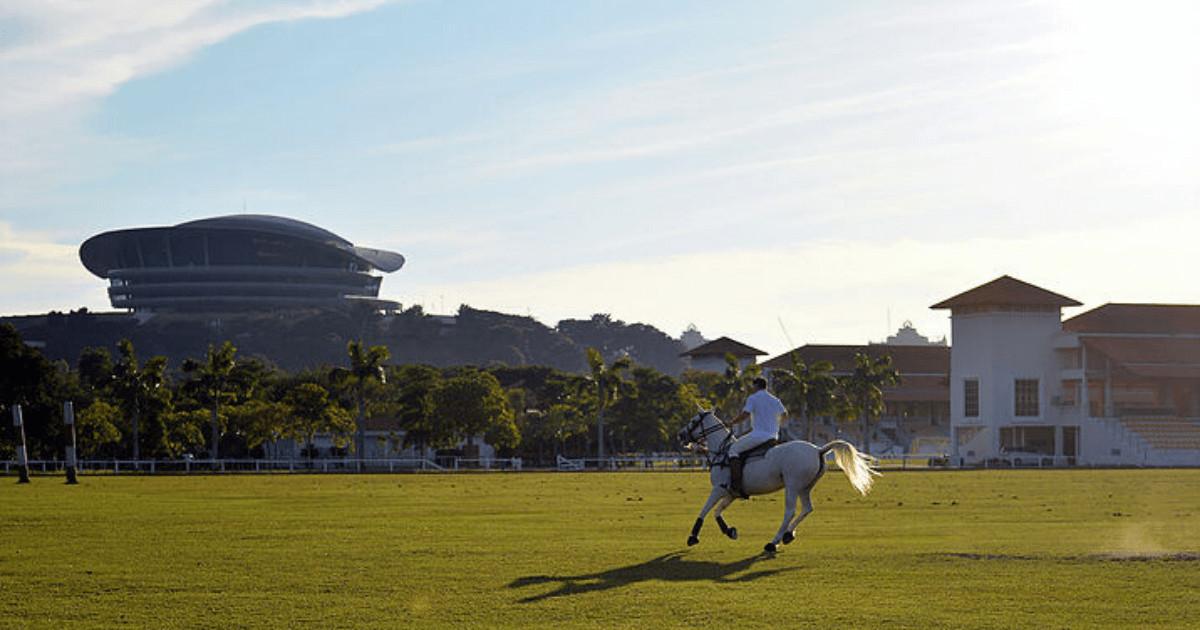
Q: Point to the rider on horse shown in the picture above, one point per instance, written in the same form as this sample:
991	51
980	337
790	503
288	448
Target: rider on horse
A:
766	413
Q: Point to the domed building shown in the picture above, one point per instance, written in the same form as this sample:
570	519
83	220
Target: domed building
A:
236	262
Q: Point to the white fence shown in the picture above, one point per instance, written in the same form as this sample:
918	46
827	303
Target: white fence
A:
632	463
185	466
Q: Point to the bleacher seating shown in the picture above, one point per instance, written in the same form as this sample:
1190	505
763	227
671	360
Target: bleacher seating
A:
1165	433
930	446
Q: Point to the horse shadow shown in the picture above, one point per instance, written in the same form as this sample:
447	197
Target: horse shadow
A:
671	567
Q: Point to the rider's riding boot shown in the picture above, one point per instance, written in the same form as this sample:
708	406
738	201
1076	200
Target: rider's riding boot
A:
735	477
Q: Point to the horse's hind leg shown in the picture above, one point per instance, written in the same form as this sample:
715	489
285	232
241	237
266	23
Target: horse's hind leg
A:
806	506
789	510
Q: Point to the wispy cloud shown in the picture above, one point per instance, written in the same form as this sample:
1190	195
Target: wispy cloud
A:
59	57
84	50
777	102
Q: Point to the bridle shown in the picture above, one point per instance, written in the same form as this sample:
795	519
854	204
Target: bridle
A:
701	439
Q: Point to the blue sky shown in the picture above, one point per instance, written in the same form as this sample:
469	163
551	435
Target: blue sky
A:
828	169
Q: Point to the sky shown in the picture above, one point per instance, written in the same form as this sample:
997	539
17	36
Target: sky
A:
777	172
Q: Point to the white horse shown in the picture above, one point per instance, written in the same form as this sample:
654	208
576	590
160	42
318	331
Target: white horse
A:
795	466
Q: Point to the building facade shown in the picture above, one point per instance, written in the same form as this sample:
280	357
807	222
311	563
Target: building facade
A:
237	262
1117	385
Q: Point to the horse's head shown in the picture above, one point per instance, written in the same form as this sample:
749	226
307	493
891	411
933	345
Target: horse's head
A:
699	427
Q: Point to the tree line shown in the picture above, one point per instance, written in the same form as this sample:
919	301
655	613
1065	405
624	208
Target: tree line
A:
224	405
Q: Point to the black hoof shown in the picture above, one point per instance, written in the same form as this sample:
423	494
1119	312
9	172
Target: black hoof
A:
788	538
732	533
769	548
693	540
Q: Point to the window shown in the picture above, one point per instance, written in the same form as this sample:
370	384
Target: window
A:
1028	439
1025	397
971	398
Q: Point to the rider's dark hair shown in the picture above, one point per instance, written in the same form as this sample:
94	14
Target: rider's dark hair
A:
760	382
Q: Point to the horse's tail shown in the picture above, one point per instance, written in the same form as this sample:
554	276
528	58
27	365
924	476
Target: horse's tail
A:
857	466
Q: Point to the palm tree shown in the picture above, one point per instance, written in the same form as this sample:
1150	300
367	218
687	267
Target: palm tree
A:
809	389
134	384
864	389
608	381
212	380
736	384
366	370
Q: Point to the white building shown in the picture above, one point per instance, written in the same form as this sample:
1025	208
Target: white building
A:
1118	385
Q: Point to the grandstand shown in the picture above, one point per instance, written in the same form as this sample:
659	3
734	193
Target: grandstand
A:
1166	433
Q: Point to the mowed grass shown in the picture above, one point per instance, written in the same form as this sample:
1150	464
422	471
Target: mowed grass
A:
981	549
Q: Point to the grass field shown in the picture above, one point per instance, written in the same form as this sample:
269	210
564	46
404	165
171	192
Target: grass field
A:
985	549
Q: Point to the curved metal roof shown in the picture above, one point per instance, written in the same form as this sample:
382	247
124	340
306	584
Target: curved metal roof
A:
267	223
98	252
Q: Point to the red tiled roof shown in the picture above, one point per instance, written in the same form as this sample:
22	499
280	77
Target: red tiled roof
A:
721	347
1007	291
906	359
1137	319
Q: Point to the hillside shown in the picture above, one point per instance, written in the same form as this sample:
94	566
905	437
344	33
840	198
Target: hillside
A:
298	339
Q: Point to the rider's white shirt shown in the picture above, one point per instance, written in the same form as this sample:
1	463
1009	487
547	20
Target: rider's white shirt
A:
765	410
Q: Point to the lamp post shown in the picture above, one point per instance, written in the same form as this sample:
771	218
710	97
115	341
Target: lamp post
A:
22	457
69	419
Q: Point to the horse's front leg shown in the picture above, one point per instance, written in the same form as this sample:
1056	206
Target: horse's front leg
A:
713	497
731	532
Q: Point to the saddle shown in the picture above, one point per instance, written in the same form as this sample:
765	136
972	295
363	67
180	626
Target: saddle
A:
757	451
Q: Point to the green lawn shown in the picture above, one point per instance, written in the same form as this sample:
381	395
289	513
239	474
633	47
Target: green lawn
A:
985	549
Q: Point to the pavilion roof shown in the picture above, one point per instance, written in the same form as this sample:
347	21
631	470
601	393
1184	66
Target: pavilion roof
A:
1006	291
721	347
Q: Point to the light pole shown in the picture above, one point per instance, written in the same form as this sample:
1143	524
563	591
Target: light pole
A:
22	456
69	419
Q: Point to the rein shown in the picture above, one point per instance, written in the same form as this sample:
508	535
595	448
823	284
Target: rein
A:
715	427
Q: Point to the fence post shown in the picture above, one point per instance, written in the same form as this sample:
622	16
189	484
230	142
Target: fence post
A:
69	419
22	456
